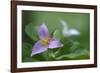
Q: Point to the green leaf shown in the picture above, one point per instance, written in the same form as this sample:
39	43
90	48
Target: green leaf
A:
57	34
79	54
26	49
31	31
28	59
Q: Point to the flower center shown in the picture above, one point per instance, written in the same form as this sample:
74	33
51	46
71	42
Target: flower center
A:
45	42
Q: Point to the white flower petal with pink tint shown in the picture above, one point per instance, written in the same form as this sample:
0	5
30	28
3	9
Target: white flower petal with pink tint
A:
73	32
68	32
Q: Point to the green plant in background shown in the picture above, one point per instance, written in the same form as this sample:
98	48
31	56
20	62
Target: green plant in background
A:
75	38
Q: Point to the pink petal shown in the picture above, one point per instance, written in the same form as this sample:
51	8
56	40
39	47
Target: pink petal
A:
38	48
54	43
43	32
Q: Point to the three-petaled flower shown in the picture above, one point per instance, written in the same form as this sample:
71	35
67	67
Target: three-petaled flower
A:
45	41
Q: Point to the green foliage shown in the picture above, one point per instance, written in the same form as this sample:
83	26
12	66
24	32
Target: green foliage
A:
31	31
57	34
75	47
26	50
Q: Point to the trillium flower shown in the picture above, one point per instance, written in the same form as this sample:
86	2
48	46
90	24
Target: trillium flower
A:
68	32
45	41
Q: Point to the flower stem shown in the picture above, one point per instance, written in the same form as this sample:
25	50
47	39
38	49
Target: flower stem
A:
46	55
57	51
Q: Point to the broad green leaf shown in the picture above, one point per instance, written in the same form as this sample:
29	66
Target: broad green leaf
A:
79	54
56	34
28	59
26	51
31	31
45	56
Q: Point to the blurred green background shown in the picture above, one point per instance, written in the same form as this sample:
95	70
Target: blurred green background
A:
75	47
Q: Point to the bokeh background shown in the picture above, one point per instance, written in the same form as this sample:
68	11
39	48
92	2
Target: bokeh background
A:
75	47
